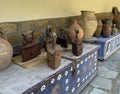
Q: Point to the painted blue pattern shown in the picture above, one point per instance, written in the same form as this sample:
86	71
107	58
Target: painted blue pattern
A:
107	46
64	82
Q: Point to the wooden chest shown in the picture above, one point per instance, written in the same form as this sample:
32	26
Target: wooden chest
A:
30	51
107	46
72	77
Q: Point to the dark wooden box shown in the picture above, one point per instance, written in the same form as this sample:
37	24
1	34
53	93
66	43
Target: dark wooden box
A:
107	46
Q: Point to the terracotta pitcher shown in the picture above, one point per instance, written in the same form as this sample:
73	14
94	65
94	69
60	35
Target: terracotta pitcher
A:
88	23
72	34
6	52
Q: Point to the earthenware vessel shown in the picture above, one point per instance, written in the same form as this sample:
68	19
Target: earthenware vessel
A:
99	28
88	23
106	31
72	34
6	53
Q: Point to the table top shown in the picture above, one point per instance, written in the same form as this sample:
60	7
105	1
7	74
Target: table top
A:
86	48
104	39
15	79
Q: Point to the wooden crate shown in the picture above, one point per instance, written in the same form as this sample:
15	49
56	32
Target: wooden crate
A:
107	46
70	79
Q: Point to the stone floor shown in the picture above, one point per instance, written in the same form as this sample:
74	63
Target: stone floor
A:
108	79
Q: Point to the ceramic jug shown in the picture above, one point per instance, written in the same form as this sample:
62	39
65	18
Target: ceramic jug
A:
106	31
88	23
72	34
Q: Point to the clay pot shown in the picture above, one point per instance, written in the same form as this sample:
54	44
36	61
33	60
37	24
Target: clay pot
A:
99	28
72	34
6	53
106	31
116	18
88	23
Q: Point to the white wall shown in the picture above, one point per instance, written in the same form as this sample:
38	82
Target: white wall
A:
20	10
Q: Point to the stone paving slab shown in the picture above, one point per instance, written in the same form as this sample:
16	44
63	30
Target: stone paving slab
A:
110	65
97	91
86	90
118	83
102	83
104	72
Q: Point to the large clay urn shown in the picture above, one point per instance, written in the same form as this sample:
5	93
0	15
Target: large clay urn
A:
72	34
6	53
116	18
88	23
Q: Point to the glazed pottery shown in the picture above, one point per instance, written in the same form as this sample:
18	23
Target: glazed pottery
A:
88	23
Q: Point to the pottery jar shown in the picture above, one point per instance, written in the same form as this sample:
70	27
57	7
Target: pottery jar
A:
6	52
106	31
88	23
99	28
72	34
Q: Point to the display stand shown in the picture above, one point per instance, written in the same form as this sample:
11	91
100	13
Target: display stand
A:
73	74
107	46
